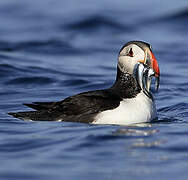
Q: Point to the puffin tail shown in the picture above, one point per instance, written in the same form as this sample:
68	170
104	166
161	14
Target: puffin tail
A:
33	116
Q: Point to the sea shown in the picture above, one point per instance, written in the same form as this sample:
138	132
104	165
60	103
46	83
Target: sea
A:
52	49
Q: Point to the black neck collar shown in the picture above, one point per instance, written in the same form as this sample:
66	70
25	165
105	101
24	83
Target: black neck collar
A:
125	85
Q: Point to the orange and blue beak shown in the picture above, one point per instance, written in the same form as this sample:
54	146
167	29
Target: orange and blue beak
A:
151	61
155	67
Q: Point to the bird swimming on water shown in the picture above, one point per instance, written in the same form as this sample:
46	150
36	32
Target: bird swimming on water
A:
128	101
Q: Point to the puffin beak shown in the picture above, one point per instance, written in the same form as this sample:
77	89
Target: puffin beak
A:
152	62
155	65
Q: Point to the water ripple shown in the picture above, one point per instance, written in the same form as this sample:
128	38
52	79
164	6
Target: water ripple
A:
30	81
179	15
96	22
53	49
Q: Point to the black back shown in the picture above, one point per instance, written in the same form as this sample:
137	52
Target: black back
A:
85	106
80	108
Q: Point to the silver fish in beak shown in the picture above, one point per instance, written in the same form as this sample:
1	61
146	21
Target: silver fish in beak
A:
150	62
144	75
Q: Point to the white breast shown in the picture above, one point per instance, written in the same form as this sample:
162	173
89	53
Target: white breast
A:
136	110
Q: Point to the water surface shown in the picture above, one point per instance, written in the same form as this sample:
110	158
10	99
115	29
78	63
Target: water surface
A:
52	49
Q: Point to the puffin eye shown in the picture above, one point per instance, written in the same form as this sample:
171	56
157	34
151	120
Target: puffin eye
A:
130	52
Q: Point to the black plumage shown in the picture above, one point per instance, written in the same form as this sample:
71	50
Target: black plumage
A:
85	106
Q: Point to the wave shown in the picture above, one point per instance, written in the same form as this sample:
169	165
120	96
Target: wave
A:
175	17
179	15
30	81
97	22
57	46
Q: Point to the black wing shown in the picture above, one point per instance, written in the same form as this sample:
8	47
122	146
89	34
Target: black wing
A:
41	105
80	108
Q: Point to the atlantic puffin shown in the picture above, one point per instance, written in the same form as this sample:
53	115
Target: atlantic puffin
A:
126	102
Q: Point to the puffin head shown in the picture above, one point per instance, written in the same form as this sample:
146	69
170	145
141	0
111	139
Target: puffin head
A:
134	52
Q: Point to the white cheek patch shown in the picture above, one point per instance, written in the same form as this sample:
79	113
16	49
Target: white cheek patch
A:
127	63
138	52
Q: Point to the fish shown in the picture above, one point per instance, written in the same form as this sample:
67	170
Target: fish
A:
144	76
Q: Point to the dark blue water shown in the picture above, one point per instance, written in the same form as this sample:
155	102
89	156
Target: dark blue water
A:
52	49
